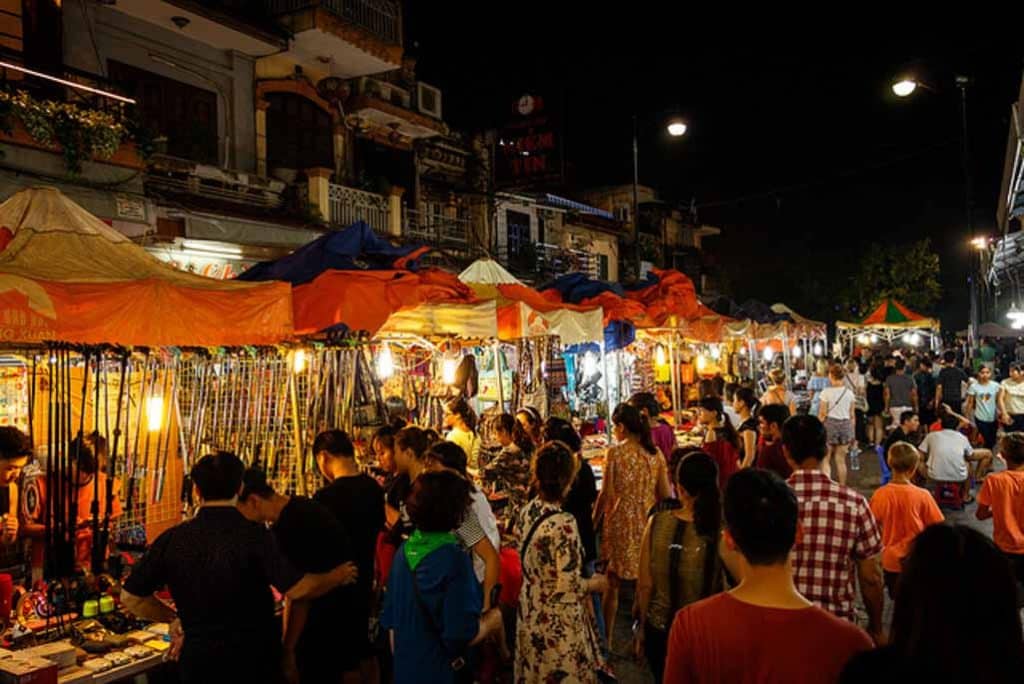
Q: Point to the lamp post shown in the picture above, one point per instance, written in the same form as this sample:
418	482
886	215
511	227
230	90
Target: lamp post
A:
676	128
907	86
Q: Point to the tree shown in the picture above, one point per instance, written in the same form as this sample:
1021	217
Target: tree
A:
906	273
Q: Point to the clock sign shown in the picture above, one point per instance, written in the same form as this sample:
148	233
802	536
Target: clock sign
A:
529	104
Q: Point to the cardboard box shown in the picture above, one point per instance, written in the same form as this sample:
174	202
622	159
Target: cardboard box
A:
28	671
74	675
60	652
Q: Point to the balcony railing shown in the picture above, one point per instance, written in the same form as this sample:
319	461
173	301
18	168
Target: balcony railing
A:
348	205
180	176
382	18
436	229
542	261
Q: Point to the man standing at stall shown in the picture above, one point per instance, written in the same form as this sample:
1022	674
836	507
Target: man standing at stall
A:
219	568
320	635
15	453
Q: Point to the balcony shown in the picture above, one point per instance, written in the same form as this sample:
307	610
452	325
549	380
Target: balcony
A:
224	24
171	176
361	37
377	104
348	205
437	229
541	262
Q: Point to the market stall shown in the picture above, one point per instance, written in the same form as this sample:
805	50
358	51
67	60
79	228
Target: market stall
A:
94	332
892	323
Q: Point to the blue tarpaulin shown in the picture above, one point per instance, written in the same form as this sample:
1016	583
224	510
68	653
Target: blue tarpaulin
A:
575	287
356	248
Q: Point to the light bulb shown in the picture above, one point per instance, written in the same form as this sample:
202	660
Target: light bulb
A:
797	351
448	368
768	353
299	360
702	363
874	339
154	413
589	365
716	352
819	349
660	358
385	363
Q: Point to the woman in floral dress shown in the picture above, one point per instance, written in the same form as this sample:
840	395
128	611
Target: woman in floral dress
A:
556	640
635	479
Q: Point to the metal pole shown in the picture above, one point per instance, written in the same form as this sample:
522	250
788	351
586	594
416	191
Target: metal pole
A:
636	199
497	366
962	82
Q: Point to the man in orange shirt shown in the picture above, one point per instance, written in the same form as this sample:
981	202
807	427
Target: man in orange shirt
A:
903	509
1002	499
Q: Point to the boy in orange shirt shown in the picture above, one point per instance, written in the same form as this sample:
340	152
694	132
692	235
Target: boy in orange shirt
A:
903	510
1002	499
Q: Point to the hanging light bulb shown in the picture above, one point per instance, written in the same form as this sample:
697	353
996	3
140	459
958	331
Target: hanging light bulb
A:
716	351
385	363
154	413
797	351
299	360
819	349
660	357
743	351
448	368
864	339
768	353
874	339
589	365
702	363
1015	315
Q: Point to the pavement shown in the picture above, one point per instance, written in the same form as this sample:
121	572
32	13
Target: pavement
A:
865	480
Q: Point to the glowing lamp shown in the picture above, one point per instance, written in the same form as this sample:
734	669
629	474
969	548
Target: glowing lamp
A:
154	413
385	363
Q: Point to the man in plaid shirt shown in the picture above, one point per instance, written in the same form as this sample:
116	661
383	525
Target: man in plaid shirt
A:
839	532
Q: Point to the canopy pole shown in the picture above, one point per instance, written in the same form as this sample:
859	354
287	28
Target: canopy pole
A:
785	357
673	380
607	389
501	385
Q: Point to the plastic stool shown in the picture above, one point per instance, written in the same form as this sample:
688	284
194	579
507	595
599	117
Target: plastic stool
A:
948	495
886	473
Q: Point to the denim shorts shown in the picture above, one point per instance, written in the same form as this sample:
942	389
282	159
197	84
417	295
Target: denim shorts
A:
839	431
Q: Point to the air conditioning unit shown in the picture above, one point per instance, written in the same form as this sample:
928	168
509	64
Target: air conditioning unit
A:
428	100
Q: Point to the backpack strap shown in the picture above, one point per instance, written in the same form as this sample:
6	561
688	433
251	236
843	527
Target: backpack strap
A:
533	530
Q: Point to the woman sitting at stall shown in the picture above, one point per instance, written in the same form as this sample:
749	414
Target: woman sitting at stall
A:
509	471
679	561
460	421
555	633
745	404
433	603
721	441
635	478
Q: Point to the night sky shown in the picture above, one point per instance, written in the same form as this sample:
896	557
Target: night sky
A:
797	148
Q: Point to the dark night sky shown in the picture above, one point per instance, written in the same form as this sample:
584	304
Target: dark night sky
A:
797	148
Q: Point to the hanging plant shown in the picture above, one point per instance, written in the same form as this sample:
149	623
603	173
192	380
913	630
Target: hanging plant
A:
82	134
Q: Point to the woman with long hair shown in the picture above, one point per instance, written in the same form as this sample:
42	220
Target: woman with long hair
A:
818	382
955	619
837	412
555	633
529	419
745	406
460	421
509	470
635	478
721	441
679	561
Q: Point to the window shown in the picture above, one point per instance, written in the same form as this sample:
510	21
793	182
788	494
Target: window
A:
299	134
518	232
602	267
184	114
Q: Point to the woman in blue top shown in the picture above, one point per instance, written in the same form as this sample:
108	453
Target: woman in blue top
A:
818	382
433	604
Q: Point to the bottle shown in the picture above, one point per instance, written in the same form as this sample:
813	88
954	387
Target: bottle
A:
854	458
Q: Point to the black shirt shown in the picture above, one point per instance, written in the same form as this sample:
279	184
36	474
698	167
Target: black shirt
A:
950	381
314	541
357	502
580	503
219	568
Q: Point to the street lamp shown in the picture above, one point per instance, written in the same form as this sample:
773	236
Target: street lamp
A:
904	87
676	128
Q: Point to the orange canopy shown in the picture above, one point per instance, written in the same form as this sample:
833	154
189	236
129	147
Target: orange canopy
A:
365	300
673	296
65	275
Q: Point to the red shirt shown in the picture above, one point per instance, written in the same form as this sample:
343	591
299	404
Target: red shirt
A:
723	639
727	458
770	457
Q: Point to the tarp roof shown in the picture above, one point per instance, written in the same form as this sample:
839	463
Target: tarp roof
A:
353	279
66	275
524	312
892	314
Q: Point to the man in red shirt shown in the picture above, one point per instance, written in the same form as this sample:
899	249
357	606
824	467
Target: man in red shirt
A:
840	533
751	633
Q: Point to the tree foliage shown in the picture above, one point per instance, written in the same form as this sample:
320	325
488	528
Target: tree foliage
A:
906	273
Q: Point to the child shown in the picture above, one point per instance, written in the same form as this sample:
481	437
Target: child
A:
903	510
1002	499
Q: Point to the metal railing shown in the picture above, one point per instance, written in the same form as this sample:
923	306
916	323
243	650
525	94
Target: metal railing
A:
436	229
172	175
382	18
348	205
541	261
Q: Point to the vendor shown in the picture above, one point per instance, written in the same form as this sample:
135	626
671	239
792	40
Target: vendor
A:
92	455
15	453
460	421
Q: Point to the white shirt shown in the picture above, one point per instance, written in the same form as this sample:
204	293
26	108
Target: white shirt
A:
839	401
1014	397
855	381
489	523
730	413
947	451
